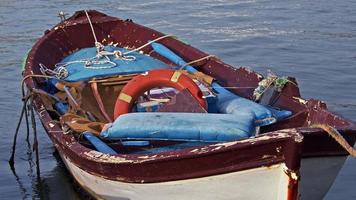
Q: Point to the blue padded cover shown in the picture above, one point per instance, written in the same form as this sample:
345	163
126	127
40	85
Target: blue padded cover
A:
182	127
280	114
78	72
232	104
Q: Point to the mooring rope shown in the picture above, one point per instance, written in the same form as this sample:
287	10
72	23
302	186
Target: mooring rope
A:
24	110
148	43
335	134
92	29
197	60
27	124
101	57
25	100
35	140
100	46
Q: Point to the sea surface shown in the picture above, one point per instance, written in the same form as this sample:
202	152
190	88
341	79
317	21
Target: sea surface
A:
314	41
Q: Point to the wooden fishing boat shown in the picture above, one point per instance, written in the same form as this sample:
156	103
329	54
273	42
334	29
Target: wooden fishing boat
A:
289	159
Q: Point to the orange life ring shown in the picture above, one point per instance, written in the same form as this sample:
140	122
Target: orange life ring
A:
155	78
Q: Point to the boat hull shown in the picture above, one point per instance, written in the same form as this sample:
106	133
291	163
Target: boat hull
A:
270	182
246	169
318	175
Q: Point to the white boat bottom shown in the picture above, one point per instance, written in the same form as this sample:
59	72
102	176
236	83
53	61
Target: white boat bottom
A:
259	183
317	175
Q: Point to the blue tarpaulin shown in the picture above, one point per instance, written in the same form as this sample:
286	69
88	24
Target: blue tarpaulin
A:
78	71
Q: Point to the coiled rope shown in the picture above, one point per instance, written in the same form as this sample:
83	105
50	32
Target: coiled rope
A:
148	43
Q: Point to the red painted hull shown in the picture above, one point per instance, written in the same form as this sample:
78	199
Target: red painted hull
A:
286	142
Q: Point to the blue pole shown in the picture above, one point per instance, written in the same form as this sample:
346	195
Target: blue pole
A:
98	144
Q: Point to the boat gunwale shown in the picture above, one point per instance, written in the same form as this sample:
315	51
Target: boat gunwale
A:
66	142
79	154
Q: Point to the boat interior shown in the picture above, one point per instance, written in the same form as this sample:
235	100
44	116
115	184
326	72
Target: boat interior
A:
121	92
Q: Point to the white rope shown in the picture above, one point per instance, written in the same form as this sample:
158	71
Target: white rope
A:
148	43
88	63
198	60
92	29
118	54
46	71
59	72
233	87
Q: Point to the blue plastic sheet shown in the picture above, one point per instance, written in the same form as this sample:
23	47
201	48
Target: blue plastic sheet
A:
78	71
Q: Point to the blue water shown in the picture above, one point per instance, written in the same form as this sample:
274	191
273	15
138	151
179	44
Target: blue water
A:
314	41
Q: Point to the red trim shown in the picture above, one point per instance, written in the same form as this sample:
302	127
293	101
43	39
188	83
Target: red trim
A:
292	189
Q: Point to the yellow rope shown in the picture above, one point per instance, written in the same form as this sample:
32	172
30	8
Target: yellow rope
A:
337	137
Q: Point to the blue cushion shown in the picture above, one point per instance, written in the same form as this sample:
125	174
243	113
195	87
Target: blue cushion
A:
182	127
232	104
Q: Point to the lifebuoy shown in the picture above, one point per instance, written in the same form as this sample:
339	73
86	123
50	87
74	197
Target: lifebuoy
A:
155	78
